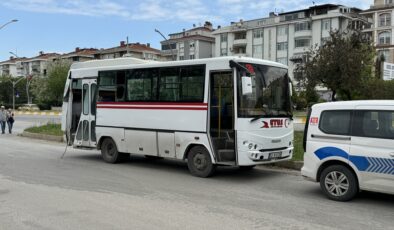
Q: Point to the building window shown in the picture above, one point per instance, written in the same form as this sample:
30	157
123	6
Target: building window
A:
281	46
223	38
238	36
257	50
388	1
385	20
258	33
384	38
302	26
181	57
282	60
223	52
191	57
302	42
326	24
191	45
385	54
283	30
168	46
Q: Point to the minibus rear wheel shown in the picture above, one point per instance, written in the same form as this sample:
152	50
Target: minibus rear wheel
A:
339	183
200	163
110	152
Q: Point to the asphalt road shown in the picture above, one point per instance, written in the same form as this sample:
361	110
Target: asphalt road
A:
38	190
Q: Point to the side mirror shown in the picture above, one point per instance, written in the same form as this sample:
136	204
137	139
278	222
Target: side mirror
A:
290	89
246	85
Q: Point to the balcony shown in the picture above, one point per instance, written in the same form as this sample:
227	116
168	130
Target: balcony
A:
240	42
381	6
303	33
169	52
241	54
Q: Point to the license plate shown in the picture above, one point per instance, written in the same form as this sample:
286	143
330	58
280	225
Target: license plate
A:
275	155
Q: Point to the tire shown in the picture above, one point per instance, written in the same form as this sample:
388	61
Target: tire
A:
200	163
247	167
339	183
110	153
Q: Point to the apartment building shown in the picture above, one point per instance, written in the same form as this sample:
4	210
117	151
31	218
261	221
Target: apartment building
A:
381	27
285	37
35	66
79	55
136	50
10	67
194	43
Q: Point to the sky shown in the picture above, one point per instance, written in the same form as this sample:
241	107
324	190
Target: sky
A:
62	25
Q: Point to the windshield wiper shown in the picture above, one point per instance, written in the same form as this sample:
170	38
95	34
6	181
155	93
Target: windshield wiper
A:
256	118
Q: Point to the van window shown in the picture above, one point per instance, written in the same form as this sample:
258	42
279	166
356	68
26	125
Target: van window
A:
335	122
375	124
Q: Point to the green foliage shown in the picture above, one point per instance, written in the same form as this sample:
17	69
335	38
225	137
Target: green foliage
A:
48	90
378	89
343	64
6	91
48	129
298	154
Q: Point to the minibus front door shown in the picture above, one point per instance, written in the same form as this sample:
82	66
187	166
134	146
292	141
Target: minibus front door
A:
86	131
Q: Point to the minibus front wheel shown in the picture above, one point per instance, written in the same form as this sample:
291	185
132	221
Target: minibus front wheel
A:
199	162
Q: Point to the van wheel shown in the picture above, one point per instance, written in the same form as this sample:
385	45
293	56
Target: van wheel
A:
339	183
110	153
199	162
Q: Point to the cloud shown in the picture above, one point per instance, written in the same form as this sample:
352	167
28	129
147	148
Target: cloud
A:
194	11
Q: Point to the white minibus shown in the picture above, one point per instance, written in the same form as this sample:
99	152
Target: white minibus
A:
233	111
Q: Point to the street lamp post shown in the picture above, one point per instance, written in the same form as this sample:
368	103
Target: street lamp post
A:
13	90
12	21
28	79
168	43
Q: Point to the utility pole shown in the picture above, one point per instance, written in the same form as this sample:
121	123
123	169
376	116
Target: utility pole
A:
13	90
168	43
28	78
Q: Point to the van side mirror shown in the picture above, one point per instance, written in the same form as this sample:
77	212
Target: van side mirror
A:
290	89
246	85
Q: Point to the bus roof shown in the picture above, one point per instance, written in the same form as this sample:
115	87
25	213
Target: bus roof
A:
124	63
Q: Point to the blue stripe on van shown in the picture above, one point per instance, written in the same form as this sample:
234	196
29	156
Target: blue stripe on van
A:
365	164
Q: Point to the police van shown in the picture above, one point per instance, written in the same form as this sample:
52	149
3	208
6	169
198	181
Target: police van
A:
349	147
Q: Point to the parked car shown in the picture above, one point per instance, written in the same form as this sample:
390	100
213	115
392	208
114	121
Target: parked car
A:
349	147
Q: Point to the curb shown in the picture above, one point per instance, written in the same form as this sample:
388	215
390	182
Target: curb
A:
39	113
42	136
295	165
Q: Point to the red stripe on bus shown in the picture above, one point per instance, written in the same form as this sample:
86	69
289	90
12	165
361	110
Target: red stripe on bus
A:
156	108
152	103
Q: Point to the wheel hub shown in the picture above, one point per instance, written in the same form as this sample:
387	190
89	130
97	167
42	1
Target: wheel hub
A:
336	183
200	161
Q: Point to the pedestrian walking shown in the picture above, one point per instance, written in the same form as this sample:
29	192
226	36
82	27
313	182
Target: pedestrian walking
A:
10	120
3	118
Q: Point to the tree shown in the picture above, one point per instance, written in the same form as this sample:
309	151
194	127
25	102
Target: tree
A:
6	90
343	64
49	89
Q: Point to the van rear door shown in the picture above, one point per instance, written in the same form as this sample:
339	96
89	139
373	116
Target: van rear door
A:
329	134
